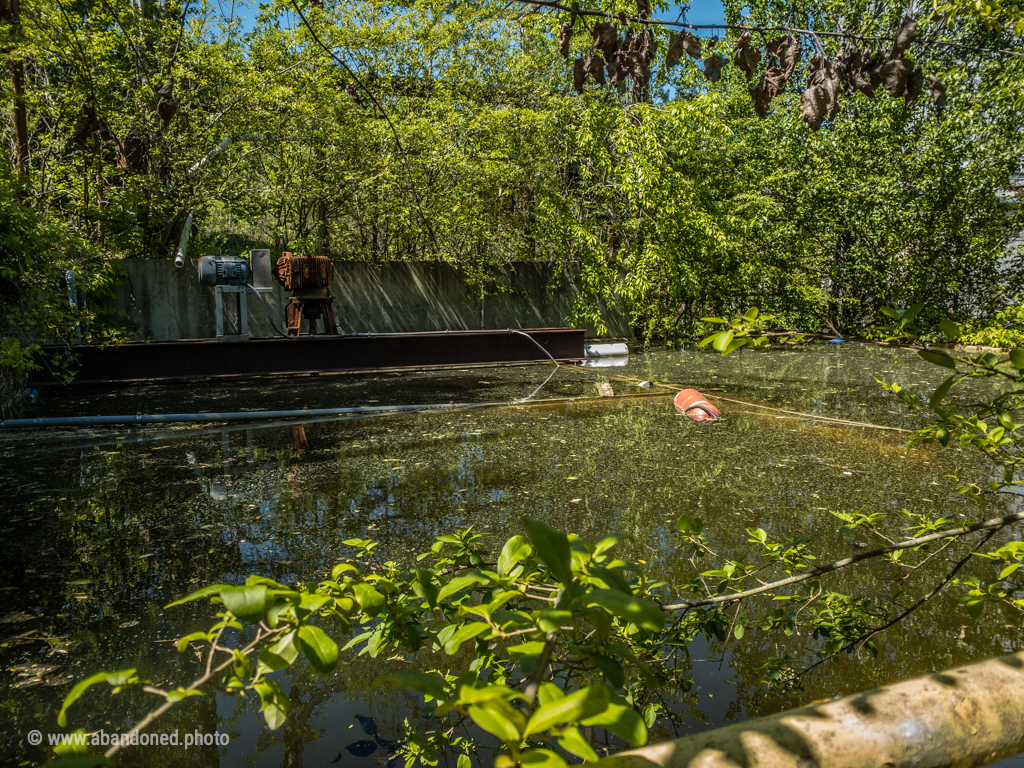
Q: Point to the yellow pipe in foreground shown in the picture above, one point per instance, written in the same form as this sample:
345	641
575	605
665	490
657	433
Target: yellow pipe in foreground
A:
964	717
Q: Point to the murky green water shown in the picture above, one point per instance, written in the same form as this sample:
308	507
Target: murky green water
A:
102	529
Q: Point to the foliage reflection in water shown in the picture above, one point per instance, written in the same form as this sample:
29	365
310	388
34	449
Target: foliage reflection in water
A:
98	539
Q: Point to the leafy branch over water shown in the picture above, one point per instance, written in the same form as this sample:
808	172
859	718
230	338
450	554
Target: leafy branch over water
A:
549	635
989	426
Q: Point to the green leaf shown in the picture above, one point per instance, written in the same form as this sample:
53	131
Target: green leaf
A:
241	664
318	647
750	315
950	329
974	607
640	612
736	344
199	594
722	341
622	720
425	587
552	547
463	634
549	692
429	683
940	392
738	631
909	314
611	669
551	620
370	600
310	603
461	583
542	758
282	653
466	692
606	543
183	642
576	706
275	704
938	358
73	748
890	312
464	761
573	742
531	648
611	579
341	568
515	550
1017	359
247	603
650	715
79	761
112	678
497	716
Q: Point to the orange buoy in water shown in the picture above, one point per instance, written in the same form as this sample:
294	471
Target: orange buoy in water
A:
693	404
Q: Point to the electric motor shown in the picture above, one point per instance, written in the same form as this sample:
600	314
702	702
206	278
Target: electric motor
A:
223	270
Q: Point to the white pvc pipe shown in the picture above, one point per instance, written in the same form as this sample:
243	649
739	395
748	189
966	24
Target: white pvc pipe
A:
605	350
186	233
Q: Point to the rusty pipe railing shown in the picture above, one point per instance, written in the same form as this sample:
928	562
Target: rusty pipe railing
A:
968	716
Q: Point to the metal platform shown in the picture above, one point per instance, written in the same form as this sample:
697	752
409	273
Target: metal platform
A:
203	359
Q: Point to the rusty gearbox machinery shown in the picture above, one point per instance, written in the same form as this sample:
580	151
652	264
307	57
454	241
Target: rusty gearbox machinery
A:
302	272
309	278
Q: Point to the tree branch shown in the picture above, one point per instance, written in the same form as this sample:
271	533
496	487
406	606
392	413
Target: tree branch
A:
899	617
198	683
794	30
995	522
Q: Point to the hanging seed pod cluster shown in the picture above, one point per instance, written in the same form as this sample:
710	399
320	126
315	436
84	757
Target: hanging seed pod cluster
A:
853	70
614	57
850	71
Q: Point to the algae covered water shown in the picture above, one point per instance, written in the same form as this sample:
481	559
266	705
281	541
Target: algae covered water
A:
103	529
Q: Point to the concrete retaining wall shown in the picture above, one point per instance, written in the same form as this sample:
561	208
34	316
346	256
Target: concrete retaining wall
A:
164	303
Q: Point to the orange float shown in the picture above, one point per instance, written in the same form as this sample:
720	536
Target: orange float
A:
693	404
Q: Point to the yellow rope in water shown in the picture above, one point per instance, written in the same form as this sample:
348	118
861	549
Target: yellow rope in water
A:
788	412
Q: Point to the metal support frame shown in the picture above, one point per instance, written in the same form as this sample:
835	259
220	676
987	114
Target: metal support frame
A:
313	308
243	312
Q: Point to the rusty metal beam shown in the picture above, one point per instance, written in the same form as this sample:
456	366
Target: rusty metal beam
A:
201	359
968	716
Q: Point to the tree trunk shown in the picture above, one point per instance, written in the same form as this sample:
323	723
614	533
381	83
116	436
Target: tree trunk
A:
20	115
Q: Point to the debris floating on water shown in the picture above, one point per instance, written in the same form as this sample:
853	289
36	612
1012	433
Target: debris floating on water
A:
693	404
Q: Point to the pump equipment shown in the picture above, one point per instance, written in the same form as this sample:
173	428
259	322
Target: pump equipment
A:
230	274
309	278
223	270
